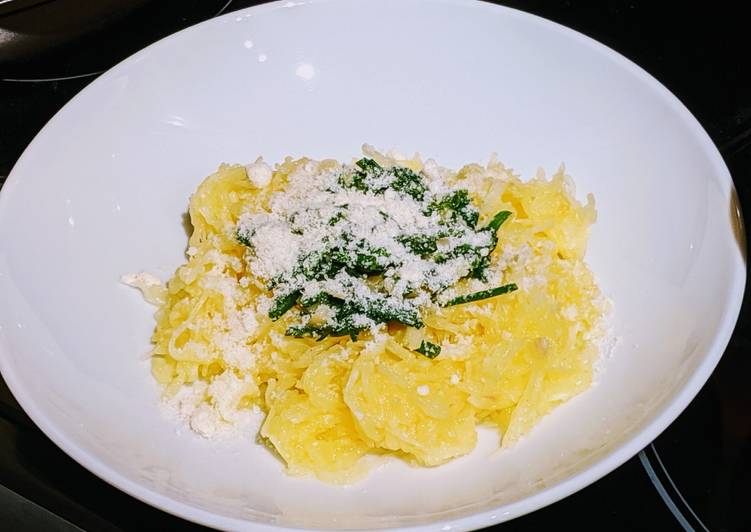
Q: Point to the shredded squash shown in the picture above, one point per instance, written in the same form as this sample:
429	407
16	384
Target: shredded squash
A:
505	361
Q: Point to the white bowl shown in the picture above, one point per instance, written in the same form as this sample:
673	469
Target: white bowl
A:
102	188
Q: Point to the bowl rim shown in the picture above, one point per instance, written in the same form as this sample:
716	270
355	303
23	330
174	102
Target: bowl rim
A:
549	495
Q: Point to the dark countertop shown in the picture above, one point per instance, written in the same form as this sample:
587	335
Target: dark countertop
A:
695	476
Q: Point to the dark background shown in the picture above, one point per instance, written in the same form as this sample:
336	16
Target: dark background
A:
695	476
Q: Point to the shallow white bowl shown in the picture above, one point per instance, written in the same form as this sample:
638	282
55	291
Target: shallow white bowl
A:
102	188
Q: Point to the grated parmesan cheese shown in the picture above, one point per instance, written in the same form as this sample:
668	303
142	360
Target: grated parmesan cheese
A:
259	173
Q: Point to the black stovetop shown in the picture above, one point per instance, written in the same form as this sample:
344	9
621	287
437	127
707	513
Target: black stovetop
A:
694	476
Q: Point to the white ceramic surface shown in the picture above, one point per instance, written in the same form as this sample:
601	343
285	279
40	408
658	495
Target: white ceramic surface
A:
102	188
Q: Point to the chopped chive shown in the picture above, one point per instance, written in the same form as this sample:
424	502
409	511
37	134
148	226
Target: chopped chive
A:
458	204
482	294
498	220
405	180
283	304
419	244
336	218
244	239
369	165
429	349
320	297
319	332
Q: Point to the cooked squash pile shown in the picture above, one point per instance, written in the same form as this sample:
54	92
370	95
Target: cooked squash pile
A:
385	306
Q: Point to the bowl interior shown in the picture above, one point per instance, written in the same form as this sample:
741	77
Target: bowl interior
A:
102	190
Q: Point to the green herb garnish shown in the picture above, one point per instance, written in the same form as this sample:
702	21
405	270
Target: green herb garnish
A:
429	349
498	220
282	304
457	203
482	294
372	245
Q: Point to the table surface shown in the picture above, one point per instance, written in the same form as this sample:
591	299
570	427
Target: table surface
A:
695	476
